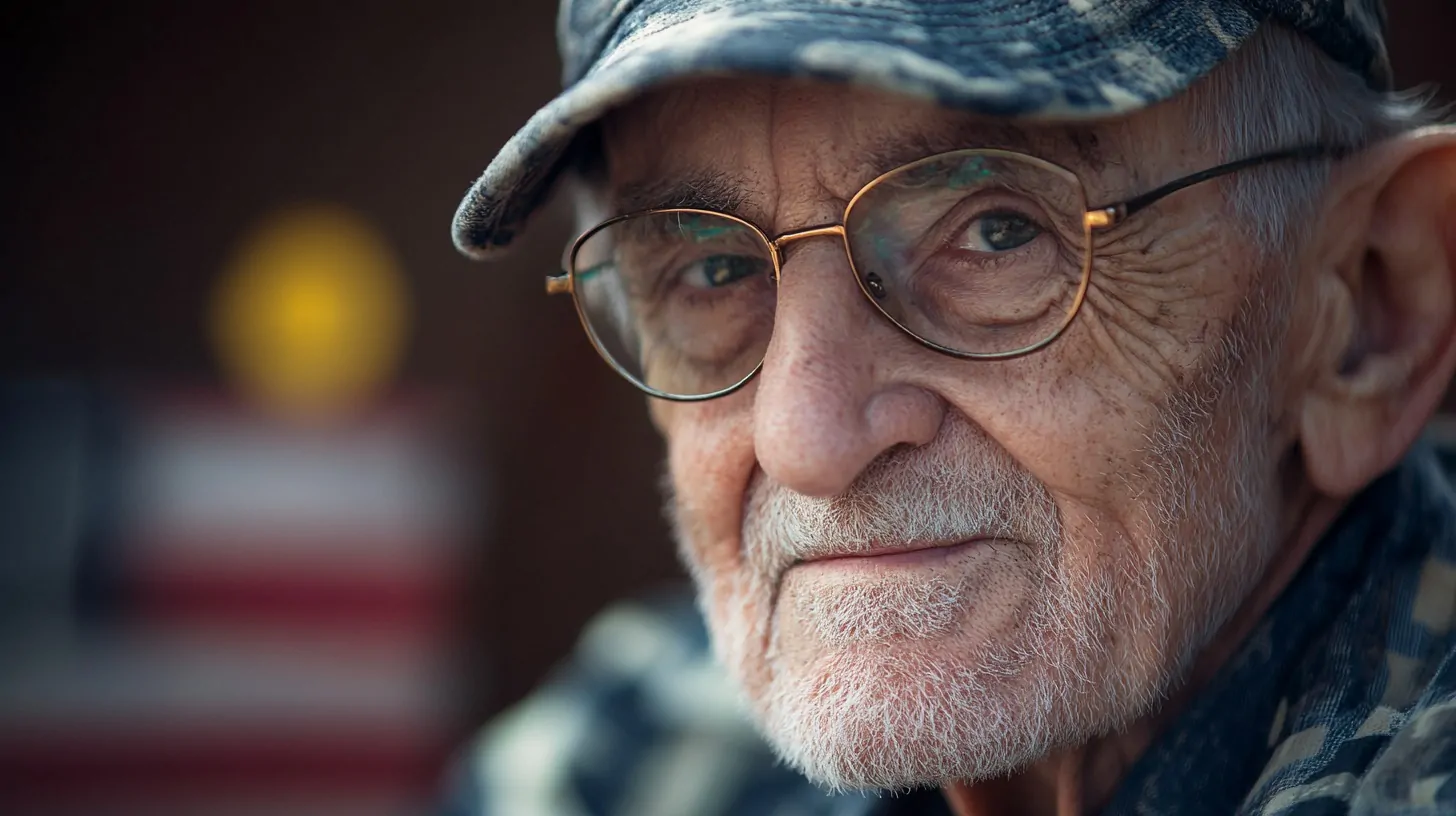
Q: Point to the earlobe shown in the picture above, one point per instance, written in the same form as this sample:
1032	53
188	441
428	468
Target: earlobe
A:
1390	247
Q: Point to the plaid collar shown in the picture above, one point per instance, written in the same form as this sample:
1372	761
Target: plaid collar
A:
1343	696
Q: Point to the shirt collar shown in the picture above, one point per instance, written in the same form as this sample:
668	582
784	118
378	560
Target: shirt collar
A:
1216	754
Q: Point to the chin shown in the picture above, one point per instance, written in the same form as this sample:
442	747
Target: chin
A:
911	678
904	714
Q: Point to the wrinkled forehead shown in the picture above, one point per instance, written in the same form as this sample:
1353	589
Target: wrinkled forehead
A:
711	143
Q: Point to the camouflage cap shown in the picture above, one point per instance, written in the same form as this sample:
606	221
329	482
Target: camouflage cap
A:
1047	59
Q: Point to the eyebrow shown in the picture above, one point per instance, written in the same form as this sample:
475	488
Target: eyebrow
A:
715	191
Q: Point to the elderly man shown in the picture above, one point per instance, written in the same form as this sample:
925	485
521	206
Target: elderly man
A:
1041	383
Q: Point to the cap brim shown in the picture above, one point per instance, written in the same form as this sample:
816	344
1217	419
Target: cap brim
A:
1044	59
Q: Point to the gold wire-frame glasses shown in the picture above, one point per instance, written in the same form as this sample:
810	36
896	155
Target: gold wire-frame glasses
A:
1093	220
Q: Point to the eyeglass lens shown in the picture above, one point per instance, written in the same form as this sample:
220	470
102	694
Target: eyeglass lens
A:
680	302
978	253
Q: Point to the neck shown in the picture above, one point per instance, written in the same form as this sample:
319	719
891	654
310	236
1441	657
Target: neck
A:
1082	779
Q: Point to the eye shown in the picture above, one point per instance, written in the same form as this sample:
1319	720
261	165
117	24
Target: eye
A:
583	275
999	231
717	271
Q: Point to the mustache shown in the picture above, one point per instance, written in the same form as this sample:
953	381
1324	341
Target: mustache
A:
960	487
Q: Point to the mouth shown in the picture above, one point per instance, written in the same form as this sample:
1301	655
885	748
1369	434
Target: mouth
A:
894	555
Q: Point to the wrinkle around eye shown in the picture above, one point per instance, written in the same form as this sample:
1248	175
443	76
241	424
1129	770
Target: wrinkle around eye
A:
1120	339
1160	279
1151	318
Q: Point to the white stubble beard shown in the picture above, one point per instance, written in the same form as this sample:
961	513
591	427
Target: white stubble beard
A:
864	716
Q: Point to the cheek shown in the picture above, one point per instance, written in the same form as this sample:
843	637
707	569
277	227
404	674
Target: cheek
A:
1071	430
1087	444
1083	431
1079	414
710	462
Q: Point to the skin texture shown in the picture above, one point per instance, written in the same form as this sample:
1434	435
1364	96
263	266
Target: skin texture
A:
1162	468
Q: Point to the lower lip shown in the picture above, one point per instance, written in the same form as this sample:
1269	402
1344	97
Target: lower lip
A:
927	556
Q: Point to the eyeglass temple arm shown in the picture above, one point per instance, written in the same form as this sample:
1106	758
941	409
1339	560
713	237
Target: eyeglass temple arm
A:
1111	214
561	284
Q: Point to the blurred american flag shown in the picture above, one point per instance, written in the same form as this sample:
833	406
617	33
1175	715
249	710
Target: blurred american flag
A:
277	618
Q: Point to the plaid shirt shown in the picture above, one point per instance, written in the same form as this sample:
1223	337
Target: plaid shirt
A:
1342	701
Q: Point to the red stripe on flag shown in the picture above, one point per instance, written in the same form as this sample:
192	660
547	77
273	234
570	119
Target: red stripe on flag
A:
54	768
293	599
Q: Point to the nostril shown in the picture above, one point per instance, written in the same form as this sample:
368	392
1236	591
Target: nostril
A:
904	415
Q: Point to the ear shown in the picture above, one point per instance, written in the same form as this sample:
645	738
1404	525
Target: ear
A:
1385	289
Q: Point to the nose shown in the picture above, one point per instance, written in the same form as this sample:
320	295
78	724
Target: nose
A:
838	385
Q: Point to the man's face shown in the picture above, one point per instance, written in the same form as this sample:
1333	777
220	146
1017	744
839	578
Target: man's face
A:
921	568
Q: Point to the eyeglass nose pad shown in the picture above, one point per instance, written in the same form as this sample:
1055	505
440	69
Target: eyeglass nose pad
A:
875	286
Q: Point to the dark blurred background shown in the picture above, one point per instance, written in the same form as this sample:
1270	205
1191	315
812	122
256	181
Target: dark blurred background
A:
294	586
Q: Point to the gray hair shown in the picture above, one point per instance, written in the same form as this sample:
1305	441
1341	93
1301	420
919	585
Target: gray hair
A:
1279	91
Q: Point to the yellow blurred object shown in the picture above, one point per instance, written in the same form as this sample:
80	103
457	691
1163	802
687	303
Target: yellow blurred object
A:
310	316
